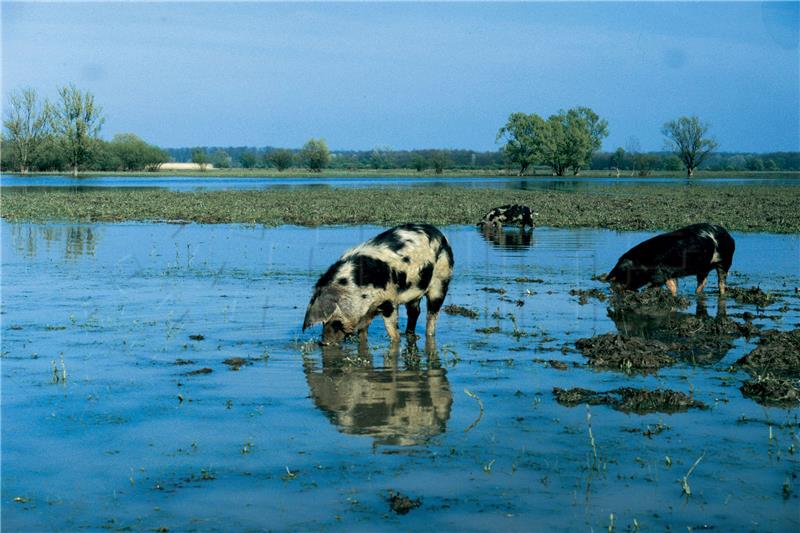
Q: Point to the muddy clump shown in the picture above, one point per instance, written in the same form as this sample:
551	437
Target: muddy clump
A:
528	280
197	337
772	391
199	372
653	297
457	310
235	363
752	296
402	504
629	354
584	295
493	290
489	330
777	355
630	400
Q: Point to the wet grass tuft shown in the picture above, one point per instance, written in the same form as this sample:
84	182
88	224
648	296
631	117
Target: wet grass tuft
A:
629	399
628	354
777	355
752	296
773	392
402	504
457	310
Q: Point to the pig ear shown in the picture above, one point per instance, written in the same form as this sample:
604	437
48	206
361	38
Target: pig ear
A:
321	308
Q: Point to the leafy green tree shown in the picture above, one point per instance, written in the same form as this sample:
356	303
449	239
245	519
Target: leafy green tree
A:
248	159
686	137
440	161
76	122
618	158
27	124
770	165
132	153
570	138
418	163
524	137
315	155
672	163
755	163
381	157
221	159
200	158
280	159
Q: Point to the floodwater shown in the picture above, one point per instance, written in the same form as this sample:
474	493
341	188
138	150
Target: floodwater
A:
12	182
120	413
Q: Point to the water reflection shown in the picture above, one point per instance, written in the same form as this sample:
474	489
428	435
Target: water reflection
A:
697	338
510	239
403	402
77	241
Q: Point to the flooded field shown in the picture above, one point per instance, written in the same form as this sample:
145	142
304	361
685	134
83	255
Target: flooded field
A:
156	376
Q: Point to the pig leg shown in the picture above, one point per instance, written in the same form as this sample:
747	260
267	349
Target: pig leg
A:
672	285
721	277
390	321
412	308
436	293
362	336
701	282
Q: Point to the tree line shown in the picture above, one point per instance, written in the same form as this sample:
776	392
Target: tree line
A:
40	135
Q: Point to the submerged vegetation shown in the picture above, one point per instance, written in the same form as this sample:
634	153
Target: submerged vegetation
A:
652	208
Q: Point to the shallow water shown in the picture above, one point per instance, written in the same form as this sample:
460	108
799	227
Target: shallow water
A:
11	182
301	440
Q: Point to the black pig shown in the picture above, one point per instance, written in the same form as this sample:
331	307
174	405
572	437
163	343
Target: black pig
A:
509	215
691	251
399	266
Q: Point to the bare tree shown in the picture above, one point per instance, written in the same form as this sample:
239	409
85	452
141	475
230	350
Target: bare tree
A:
77	121
686	137
27	125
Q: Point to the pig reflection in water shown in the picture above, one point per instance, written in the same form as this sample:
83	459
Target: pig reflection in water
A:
670	325
394	405
513	239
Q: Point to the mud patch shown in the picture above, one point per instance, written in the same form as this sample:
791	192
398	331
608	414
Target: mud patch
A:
584	295
199	372
235	363
528	280
752	296
402	504
629	354
777	355
488	331
197	337
630	400
457	310
654	297
772	392
493	290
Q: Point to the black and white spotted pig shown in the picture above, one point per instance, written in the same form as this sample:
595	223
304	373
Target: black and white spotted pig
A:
399	266
508	215
691	251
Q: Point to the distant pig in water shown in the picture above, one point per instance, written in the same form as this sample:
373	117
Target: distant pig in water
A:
508	215
399	266
691	251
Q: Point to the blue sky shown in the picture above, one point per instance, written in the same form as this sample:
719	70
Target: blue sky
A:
410	75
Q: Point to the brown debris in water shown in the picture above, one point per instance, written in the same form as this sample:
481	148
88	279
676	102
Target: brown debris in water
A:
752	295
772	391
199	371
197	337
489	330
777	355
402	504
493	290
629	354
236	362
630	400
584	295
528	280
457	310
